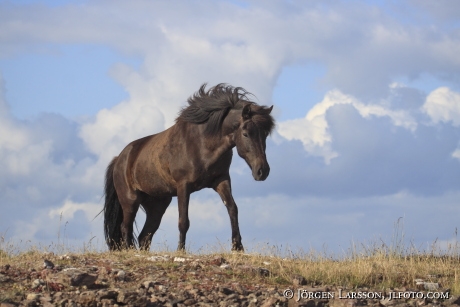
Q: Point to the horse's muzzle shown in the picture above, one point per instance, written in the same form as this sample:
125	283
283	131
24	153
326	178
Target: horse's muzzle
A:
260	172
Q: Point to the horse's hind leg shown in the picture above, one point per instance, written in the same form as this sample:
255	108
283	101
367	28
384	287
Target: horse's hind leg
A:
129	201
155	209
129	214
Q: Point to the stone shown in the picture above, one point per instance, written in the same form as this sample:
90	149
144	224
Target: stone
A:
271	301
107	294
148	283
37	283
48	264
131	298
71	303
68	257
28	303
87	297
121	275
388	302
225	266
189	302
343	302
75	278
298	280
263	272
240	289
225	290
431	286
158	258
4	278
33	296
218	261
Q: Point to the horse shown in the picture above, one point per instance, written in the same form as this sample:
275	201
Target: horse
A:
194	153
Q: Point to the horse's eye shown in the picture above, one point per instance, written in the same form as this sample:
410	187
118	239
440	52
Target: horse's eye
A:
245	134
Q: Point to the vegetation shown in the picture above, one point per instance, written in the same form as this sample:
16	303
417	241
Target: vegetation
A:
375	266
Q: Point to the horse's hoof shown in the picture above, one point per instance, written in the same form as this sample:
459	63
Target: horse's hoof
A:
238	248
181	249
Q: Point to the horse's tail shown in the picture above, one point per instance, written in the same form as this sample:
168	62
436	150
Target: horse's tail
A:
113	214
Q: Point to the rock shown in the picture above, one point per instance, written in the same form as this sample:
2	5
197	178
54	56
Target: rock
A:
218	261
68	257
225	290
62	302
189	302
131	298
48	264
240	289
45	301
75	278
179	259
225	266
343	302
148	283
298	280
4	278
28	303
107	294
271	301
431	286
71	303
121	275
87	297
263	272
32	297
158	258
388	302
37	283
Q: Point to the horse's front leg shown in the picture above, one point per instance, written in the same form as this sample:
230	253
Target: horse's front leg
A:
224	189
183	197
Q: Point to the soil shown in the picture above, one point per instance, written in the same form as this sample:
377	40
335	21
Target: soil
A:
169	280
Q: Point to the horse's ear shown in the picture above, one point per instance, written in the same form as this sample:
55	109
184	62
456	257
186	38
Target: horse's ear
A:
270	109
246	111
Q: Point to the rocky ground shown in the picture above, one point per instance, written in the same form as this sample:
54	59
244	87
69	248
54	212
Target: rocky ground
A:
184	280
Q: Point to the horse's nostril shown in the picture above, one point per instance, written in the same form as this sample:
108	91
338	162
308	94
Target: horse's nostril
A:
260	172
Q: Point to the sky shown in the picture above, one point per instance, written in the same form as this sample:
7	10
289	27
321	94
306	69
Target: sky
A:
366	98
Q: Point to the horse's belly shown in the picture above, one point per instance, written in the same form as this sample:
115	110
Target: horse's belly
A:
156	184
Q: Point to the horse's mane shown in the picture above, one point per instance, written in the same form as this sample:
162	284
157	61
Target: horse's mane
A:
213	105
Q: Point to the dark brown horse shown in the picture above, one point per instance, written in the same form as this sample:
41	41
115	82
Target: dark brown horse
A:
193	154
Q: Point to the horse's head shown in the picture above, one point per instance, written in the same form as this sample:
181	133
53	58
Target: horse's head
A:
255	125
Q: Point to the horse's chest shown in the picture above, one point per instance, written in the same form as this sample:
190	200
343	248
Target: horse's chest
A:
205	177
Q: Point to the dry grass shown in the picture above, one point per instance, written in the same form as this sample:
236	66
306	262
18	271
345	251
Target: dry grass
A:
374	266
378	269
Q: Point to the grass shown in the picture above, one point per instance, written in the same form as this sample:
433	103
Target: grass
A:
376	266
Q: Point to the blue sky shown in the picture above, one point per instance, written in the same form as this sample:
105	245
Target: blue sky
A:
366	99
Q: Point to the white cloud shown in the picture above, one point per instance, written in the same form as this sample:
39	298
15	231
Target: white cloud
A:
443	105
113	129
313	132
69	207
456	154
372	150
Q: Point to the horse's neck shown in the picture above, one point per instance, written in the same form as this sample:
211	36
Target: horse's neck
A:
214	146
